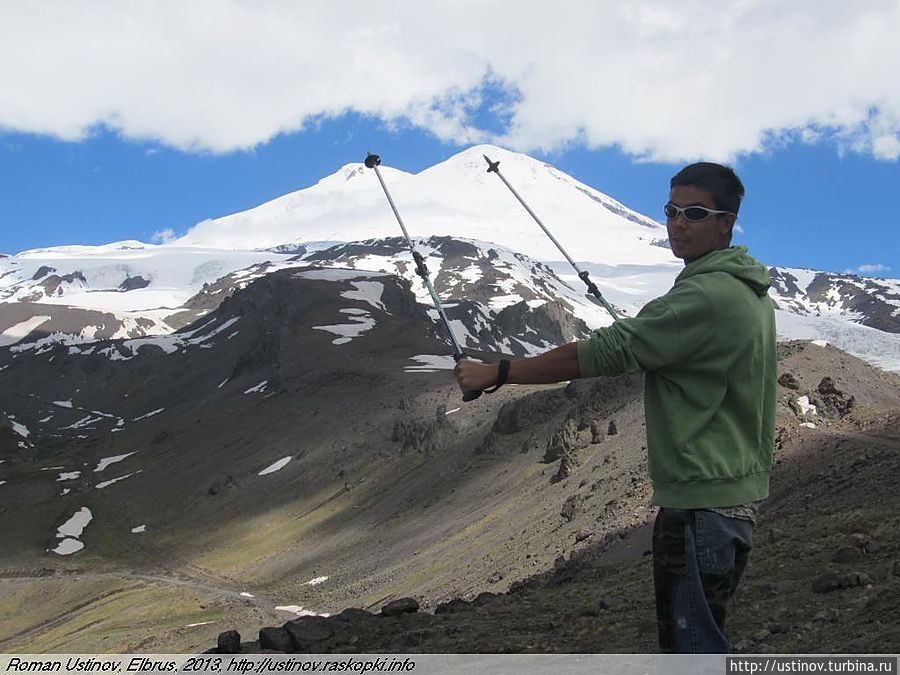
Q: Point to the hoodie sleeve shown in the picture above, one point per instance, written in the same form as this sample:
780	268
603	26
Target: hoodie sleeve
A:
667	330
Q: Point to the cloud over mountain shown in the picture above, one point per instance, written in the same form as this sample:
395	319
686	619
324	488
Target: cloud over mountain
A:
661	81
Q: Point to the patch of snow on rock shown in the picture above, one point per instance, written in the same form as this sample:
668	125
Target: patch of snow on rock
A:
261	387
149	414
68	547
805	406
299	611
20	429
333	274
348	331
107	483
430	363
277	466
106	461
75	525
15	333
367	291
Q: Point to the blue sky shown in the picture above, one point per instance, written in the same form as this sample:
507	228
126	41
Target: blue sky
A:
122	121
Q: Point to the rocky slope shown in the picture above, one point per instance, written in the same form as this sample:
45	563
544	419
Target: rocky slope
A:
306	428
302	449
823	574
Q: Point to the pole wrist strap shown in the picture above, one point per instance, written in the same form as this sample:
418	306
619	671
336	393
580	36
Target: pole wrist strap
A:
502	375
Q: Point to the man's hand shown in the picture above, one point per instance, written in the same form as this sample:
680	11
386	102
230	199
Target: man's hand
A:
474	375
557	365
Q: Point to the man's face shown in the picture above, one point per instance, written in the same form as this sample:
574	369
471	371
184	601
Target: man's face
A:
692	240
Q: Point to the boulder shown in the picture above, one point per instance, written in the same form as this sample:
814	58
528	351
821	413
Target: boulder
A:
452	606
847	554
308	633
400	606
826	582
229	642
277	639
788	381
834	401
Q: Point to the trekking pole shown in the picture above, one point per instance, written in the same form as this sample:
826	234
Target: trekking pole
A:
372	162
493	167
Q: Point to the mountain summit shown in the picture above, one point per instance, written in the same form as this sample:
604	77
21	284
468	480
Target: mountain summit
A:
456	197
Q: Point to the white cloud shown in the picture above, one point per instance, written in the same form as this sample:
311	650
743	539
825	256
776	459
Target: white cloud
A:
663	80
873	269
164	236
869	268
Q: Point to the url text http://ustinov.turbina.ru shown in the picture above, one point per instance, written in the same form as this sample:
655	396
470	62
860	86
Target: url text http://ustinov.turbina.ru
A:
882	665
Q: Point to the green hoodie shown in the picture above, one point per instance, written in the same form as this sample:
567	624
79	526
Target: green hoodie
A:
708	350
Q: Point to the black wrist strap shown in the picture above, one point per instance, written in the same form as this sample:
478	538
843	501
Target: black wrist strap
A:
502	375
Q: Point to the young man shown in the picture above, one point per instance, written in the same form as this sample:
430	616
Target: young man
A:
707	348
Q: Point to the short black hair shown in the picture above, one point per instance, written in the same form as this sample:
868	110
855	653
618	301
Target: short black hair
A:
720	181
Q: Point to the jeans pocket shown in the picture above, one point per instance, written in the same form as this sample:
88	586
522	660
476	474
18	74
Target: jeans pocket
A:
716	538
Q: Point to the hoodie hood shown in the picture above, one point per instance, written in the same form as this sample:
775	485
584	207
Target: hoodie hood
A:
734	261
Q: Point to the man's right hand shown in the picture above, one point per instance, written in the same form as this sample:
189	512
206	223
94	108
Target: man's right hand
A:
474	375
557	365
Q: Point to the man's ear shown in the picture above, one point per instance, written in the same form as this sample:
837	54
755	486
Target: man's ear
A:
727	224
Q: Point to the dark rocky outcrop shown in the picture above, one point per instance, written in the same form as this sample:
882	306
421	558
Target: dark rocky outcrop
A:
564	445
229	642
320	634
134	283
43	271
400	606
418	435
833	401
788	381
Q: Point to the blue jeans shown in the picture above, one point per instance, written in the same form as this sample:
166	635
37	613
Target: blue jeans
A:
698	559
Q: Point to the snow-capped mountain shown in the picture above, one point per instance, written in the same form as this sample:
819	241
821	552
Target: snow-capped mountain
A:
117	291
127	276
456	197
133	290
870	302
497	299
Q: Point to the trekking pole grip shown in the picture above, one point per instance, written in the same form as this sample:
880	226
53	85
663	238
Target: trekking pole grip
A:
468	394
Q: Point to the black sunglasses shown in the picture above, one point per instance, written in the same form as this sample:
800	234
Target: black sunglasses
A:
692	214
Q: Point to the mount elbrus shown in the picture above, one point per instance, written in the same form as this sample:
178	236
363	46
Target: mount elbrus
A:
198	440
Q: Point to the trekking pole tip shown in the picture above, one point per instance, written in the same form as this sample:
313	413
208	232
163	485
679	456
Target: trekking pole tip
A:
372	161
492	166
